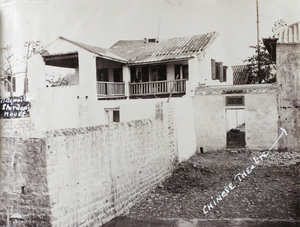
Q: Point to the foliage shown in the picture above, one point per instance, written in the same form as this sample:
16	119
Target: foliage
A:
279	25
260	67
56	82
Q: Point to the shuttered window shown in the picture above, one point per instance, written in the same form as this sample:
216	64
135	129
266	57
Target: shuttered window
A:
218	71
14	84
224	74
213	69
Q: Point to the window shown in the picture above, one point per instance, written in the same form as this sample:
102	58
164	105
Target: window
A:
118	75
27	88
213	69
11	86
135	74
158	73
145	74
102	74
116	116
218	71
177	72
181	72
112	115
224	74
14	84
185	72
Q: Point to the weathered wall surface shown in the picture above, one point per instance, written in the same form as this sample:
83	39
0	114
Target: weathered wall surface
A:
288	80
218	52
23	181
185	124
210	122
261	120
71	110
16	127
96	173
261	116
86	176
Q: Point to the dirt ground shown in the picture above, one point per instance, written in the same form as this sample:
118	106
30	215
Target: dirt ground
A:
269	191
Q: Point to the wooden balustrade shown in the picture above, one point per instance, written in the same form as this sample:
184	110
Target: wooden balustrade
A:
117	89
110	88
157	87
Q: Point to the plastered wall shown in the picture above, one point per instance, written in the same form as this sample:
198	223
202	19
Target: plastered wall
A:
288	80
260	111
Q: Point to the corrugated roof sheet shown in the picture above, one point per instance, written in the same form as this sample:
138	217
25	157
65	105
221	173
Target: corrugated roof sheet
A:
239	74
139	51
102	52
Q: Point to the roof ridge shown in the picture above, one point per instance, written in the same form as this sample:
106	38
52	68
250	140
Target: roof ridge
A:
178	37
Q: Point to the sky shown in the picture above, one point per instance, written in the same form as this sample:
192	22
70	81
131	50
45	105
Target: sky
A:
103	22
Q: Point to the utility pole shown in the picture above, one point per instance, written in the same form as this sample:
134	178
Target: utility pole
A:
258	47
157	39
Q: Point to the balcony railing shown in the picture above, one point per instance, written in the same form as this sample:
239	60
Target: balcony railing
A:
110	89
157	87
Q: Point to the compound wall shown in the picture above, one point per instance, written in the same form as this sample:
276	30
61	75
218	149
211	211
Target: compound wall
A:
260	113
85	176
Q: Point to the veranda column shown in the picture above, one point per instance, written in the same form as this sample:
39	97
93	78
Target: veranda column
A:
193	75
126	79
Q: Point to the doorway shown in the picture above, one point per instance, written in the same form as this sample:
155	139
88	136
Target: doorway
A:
235	128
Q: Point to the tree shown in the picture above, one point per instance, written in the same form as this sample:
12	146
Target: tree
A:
7	67
10	66
260	67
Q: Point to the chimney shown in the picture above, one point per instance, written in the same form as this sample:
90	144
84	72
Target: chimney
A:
153	40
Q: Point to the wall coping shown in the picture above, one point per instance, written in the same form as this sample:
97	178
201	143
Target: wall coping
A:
236	89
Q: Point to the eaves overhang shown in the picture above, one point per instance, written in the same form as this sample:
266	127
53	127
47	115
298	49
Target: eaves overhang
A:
68	60
99	52
111	58
135	63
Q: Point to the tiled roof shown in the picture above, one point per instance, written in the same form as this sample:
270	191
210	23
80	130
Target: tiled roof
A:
141	51
239	74
102	52
289	34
